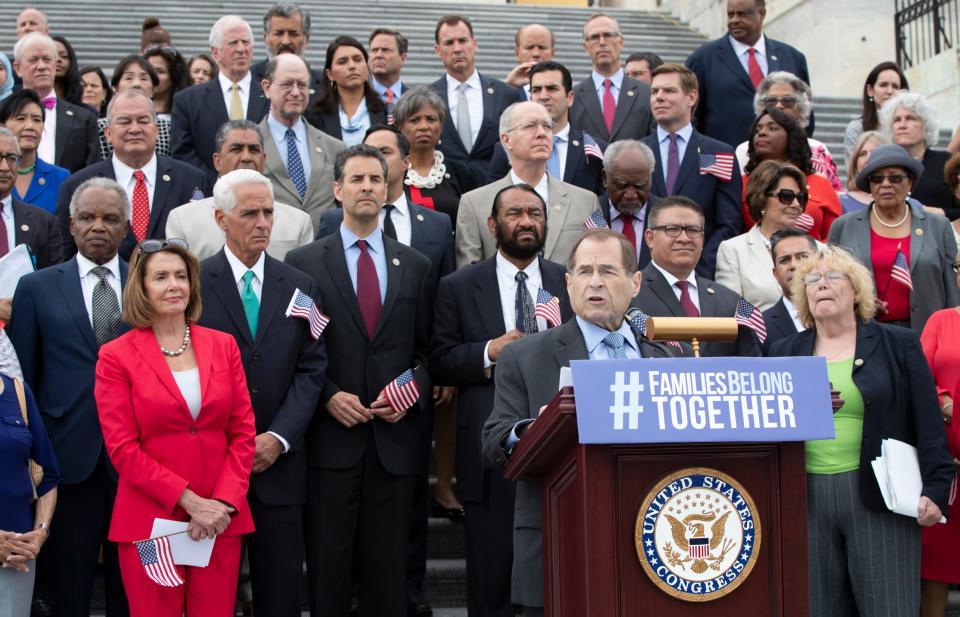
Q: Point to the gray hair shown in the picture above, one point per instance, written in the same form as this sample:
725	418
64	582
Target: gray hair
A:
130	93
235	125
5	132
917	103
30	39
415	99
224	191
506	118
800	87
101	183
227	21
287	9
614	150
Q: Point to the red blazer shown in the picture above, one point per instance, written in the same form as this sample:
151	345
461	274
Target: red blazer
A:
155	444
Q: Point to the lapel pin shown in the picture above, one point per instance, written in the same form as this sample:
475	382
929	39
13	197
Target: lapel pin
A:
774	58
166	178
490	90
312	91
858	361
558	207
318	149
919	232
447	176
420	217
396	261
25	227
69	113
629	92
576	143
710	290
41	181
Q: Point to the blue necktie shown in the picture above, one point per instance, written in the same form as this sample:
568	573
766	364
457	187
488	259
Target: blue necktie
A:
294	164
615	341
553	163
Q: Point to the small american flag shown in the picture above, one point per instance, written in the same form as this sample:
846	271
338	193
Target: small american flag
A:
750	316
547	307
699	548
301	305
900	272
804	222
403	392
596	221
197	194
719	164
639	323
157	559
591	147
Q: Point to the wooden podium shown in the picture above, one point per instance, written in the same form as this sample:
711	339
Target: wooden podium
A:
591	498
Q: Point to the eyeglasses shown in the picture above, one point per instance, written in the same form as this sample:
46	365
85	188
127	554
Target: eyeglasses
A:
596	36
787	197
546	125
673	231
153	246
832	277
891	178
13	160
788	102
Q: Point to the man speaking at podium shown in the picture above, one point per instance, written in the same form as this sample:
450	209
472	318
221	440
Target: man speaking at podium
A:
602	278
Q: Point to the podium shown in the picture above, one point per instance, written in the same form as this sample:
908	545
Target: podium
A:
592	501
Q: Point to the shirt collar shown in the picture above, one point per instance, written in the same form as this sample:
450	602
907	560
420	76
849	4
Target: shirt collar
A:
124	172
473	81
396	86
593	334
279	132
616	78
225	83
85	265
401	205
239	268
541	187
672	280
791	307
741	48
564	133
684	134
615	214
8	206
506	269
374	240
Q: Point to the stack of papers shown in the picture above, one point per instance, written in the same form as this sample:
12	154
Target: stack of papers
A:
14	265
898	474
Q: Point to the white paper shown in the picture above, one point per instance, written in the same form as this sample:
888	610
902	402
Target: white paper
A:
13	265
186	551
566	377
880	471
898	475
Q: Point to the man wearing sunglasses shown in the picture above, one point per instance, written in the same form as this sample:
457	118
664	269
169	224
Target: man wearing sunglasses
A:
671	288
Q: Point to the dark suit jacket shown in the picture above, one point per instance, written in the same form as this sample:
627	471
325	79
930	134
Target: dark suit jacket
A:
364	366
527	377
76	144
497	96
725	110
38	230
284	366
316	78
719	200
656	298
329	121
900	402
779	325
632	119
50	329
198	112
643	251
468	313
582	170
176	183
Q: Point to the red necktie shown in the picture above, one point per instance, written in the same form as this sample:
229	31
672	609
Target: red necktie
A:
609	105
390	101
4	245
685	300
368	290
628	231
756	73
141	207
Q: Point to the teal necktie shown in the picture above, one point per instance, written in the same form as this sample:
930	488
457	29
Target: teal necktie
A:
251	306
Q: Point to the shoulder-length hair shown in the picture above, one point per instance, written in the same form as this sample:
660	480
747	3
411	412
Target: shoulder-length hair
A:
853	168
839	259
176	65
137	309
764	179
869	116
329	99
70	83
104	83
798	148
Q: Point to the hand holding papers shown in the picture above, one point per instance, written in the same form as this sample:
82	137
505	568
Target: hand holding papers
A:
186	551
898	473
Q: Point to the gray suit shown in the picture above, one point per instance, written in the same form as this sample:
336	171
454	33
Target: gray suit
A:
318	197
932	251
527	376
569	207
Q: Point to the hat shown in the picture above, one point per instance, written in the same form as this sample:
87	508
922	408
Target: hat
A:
887	155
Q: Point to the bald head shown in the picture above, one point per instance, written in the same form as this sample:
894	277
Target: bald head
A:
534	43
31	20
286	82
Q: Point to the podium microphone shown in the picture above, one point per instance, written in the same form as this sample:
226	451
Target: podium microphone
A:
638	322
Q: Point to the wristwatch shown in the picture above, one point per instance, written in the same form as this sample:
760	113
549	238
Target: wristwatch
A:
43	526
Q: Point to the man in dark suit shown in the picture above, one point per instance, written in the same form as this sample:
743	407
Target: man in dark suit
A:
730	68
475	316
626	201
70	132
474	101
286	30
200	110
284	366
671	287
609	104
602	278
21	222
574	159
788	247
388	54
57	333
679	151
363	451
154	185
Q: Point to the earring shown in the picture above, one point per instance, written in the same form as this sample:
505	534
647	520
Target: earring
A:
870	98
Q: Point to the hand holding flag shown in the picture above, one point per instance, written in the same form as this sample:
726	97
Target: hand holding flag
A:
402	393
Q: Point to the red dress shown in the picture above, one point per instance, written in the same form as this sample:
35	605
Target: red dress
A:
941	345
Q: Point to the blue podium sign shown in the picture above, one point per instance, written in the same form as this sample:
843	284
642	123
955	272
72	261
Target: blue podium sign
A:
672	400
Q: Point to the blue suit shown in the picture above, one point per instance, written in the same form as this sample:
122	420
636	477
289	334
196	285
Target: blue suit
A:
581	170
725	110
719	200
44	186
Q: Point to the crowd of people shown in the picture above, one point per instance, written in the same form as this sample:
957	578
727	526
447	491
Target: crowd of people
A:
263	290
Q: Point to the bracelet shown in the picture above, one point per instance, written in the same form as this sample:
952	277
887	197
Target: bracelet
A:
44	526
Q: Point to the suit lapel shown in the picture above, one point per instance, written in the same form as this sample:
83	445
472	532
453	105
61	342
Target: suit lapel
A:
691	158
275	164
257	104
271	297
658	285
559	209
161	193
24	229
571	345
213	99
659	186
728	57
917	236
491	313
393	253
489	107
628	94
575	155
65	120
226	290
147	347
588	98
336	262
69	283
773	56
416	224
707	291
861	239
866	344
449	130
315	151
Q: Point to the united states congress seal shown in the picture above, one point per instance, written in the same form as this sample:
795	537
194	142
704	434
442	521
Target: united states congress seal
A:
697	534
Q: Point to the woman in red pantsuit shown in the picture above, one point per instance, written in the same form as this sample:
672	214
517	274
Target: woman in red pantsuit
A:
179	428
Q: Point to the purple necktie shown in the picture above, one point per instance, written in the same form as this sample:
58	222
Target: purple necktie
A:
368	290
673	162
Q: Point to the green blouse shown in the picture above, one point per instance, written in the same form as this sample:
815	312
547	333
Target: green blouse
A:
842	453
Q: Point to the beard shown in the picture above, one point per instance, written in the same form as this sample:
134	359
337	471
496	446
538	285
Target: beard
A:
520	249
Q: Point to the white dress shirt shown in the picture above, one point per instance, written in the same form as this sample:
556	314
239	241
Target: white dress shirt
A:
743	55
615	87
125	179
794	314
89	280
244	84
8	221
542	187
562	146
672	282
47	148
617	222
400	216
474	96
663	138
507	284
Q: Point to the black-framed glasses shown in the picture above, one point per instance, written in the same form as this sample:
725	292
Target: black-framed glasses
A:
153	246
13	160
788	102
891	178
673	231
787	197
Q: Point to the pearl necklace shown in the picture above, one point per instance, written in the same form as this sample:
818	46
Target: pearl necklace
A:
183	346
434	177
876	215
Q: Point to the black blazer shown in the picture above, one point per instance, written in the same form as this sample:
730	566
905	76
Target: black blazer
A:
76	144
631	121
497	96
198	113
329	121
779	325
656	298
284	366
718	200
316	78
643	251
364	366
37	229
900	402
931	189
468	313
725	110
176	183
581	169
